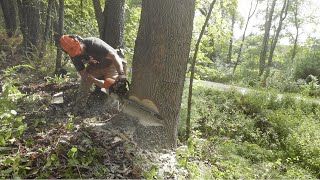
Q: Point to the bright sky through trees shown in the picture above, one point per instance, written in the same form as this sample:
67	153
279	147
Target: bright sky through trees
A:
310	29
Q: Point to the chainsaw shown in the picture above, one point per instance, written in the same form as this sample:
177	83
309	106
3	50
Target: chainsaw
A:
121	88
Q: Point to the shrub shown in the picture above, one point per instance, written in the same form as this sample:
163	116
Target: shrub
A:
256	135
308	65
11	129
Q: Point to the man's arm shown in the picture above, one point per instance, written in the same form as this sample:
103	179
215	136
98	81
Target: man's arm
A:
118	63
89	77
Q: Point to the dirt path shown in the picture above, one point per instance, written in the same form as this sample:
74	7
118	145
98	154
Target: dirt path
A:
224	87
220	86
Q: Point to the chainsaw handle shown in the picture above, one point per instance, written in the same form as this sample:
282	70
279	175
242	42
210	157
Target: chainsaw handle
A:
120	87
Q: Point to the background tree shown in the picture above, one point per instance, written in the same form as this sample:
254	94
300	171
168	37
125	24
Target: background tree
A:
215	44
29	15
282	17
58	35
10	16
233	20
47	28
114	23
230	13
297	27
160	59
111	21
266	36
79	18
251	12
193	63
298	18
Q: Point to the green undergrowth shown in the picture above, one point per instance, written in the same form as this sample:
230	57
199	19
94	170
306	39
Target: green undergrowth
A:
257	135
39	140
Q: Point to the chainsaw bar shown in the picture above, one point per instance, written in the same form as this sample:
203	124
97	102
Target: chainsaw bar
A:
126	101
121	90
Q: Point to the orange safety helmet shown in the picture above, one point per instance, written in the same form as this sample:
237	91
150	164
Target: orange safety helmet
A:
70	45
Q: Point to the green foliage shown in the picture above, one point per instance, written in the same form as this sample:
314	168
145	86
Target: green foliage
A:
12	127
308	63
152	173
256	135
214	46
132	18
80	18
59	80
312	88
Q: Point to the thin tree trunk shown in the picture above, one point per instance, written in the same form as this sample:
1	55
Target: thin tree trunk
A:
99	15
283	15
265	42
59	34
47	29
55	22
250	14
22	19
296	23
188	130
229	58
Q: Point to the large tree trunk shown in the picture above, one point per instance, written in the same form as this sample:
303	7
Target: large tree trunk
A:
10	16
265	42
160	59
29	14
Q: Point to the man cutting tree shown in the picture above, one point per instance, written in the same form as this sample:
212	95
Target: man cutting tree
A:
97	63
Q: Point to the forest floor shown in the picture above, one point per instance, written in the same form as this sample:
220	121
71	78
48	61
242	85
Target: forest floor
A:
56	143
59	144
90	145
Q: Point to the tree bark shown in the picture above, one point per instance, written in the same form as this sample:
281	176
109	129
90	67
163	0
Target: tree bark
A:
111	21
29	14
160	59
99	15
275	39
229	57
59	34
10	16
283	15
265	41
297	27
46	29
114	23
